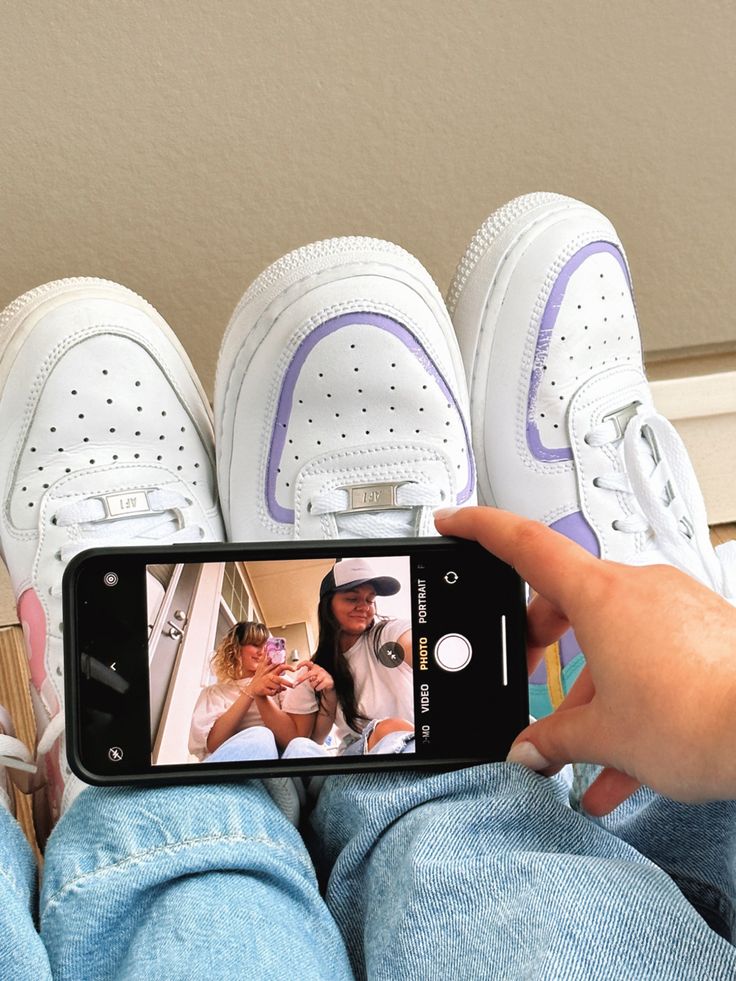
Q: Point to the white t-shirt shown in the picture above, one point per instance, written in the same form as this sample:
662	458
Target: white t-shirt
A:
381	692
214	702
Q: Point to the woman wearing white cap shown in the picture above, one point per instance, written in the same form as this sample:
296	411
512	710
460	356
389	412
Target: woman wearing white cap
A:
360	678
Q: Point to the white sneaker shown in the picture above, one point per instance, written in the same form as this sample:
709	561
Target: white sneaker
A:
564	427
105	438
340	399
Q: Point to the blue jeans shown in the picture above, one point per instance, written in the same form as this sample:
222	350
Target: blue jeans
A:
488	872
168	883
485	872
400	741
258	743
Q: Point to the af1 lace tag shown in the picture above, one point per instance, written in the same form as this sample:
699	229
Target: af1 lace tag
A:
375	497
620	418
121	505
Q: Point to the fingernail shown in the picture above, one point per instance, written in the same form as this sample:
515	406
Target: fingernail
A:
527	754
445	512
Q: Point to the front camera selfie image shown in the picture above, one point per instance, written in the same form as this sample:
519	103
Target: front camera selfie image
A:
281	659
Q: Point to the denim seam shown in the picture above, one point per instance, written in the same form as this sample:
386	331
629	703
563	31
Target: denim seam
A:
170	849
704	896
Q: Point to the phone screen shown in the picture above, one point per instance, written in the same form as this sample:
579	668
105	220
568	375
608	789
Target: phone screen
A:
199	662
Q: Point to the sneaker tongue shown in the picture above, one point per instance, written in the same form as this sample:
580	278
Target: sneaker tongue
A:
366	486
115	505
114	480
643	447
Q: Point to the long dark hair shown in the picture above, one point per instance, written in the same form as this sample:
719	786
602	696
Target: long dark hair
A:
329	656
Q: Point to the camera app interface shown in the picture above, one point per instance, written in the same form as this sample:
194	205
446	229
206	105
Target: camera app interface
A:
269	659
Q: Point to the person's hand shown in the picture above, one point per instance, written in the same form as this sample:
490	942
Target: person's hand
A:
318	678
267	679
656	701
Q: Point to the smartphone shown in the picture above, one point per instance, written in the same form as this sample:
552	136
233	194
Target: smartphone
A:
276	650
160	643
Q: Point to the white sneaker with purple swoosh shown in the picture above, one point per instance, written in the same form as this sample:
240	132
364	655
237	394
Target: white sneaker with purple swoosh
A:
564	427
340	399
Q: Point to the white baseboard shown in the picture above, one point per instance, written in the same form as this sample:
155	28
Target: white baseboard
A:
703	410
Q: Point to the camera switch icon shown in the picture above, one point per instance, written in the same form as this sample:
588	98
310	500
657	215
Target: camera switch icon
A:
451	577
453	652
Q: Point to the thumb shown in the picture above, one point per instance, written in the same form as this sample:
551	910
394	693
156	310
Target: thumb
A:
570	736
609	789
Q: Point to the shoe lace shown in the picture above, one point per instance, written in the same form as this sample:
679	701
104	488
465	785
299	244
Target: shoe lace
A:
15	755
666	501
94	526
397	519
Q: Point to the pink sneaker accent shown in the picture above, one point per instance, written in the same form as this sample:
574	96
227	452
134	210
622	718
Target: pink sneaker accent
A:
33	620
81	362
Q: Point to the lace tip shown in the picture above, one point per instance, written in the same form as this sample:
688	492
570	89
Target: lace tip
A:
15	764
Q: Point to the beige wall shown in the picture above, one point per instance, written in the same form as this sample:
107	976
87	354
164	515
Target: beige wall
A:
178	146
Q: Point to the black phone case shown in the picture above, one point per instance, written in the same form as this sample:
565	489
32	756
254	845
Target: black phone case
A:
208	773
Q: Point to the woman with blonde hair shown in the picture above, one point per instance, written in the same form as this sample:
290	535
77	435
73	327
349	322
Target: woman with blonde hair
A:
240	717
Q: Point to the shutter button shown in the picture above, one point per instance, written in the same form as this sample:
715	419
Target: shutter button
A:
453	652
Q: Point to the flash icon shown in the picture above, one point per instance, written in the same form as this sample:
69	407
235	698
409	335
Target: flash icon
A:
115	754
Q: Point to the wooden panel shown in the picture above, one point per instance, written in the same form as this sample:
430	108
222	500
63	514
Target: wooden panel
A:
7	599
14	696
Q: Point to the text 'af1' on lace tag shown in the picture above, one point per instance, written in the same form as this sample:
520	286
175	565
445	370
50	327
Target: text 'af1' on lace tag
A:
131	502
374	497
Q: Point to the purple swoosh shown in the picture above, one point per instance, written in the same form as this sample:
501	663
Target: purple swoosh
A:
286	397
572	526
546	327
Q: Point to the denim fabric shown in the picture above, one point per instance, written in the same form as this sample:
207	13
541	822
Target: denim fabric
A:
183	882
695	844
22	954
485	872
394	742
488	872
258	743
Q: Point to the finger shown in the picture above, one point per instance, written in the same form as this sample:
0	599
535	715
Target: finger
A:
609	789
573	736
545	624
581	692
553	565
